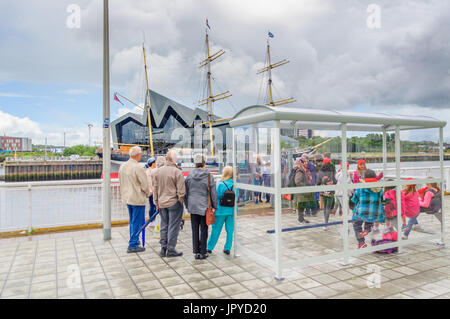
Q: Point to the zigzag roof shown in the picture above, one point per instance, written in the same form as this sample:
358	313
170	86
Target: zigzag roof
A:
160	105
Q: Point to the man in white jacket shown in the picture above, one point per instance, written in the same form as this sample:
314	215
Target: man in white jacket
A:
134	191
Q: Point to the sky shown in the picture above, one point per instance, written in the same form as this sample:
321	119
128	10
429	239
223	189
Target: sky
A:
51	74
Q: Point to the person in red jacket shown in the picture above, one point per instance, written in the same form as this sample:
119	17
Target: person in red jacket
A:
390	207
412	209
361	168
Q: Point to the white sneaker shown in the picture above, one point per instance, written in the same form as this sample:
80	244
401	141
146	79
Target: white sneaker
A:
325	228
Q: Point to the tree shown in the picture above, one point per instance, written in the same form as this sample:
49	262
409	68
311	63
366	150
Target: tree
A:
81	150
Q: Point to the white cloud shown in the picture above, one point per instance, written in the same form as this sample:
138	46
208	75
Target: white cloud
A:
6	94
76	91
11	125
124	110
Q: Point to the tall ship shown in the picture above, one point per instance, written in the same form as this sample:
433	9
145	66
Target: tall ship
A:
155	129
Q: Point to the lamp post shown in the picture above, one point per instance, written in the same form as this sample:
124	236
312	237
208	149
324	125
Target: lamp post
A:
106	205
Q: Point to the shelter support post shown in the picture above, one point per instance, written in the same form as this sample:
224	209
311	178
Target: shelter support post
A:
276	151
398	188
235	170
441	163
345	223
384	150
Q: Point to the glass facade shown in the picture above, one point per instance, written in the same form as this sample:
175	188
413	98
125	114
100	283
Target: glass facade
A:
172	130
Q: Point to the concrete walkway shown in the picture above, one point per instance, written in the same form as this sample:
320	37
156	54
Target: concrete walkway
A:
81	265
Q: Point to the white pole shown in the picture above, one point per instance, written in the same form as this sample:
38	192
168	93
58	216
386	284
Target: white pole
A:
276	152
441	163
345	194
398	187
106	129
235	170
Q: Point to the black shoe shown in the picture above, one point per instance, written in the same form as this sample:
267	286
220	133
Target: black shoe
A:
136	249
226	252
303	221
182	224
210	252
163	252
174	253
198	256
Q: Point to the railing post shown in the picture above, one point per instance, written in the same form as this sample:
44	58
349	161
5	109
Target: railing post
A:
30	209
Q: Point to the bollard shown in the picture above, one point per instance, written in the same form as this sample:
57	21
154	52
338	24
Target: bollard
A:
29	209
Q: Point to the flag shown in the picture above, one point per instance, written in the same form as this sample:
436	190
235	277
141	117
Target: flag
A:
207	24
117	99
270	34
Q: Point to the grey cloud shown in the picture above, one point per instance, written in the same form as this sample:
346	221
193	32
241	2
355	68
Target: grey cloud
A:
336	61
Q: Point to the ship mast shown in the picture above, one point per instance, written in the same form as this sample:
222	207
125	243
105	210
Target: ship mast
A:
268	68
147	104
211	98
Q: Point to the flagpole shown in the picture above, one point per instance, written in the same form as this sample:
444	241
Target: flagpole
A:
106	204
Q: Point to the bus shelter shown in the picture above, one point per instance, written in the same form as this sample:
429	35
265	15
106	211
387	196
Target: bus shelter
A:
276	119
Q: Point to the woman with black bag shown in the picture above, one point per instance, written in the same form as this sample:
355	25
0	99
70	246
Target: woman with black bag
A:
200	197
225	211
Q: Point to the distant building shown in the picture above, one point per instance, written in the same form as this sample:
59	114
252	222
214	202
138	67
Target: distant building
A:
18	144
306	133
166	116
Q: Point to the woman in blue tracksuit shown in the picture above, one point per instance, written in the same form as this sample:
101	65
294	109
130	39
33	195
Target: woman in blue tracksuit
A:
223	215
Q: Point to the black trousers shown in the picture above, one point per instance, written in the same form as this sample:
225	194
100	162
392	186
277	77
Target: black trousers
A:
199	234
358	228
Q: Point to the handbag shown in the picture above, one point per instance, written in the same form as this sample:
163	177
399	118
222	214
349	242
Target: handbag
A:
210	217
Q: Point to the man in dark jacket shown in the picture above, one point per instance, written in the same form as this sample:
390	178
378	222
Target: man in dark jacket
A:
312	207
326	176
302	177
196	202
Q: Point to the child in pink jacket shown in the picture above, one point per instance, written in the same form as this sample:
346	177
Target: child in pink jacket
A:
412	208
390	208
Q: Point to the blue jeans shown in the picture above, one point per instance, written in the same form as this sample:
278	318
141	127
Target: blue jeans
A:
152	209
411	222
137	220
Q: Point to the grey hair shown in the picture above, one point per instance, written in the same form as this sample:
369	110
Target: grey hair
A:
135	151
171	156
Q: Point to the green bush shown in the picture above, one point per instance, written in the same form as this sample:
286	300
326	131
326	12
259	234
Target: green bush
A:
81	150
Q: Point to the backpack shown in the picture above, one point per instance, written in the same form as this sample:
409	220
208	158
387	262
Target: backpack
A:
435	203
390	210
386	239
228	197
